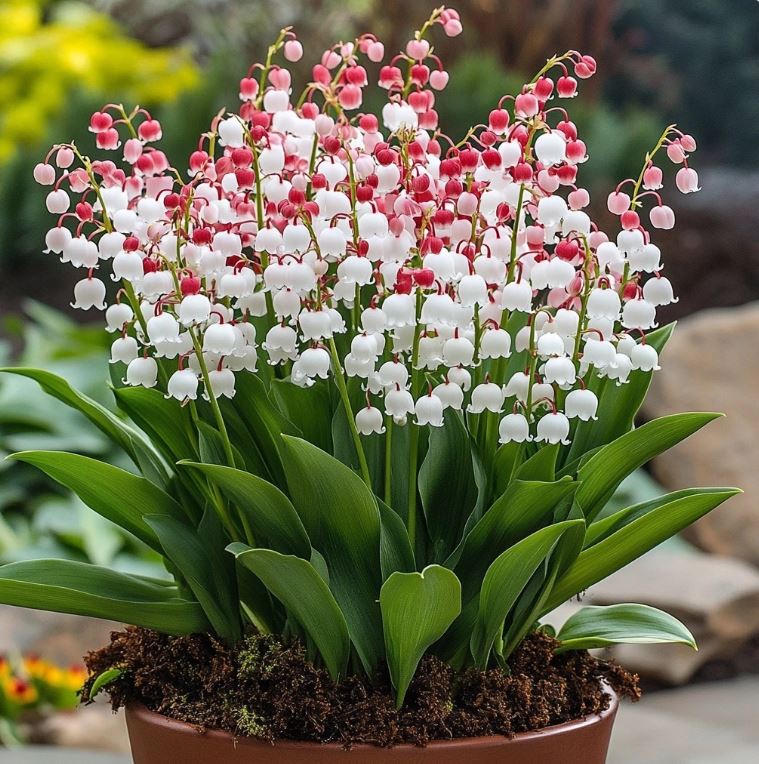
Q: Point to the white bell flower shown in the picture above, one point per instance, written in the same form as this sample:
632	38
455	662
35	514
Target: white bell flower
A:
124	350
399	403
603	303
514	428
517	295
315	324
450	394
639	314
194	309
551	148
117	315
315	362
658	291
495	343
182	385
581	404
393	373
560	371
553	428
219	339
486	397
400	310
518	386
163	328
461	377
645	358
429	410
142	371
369	420
89	293
222	383
458	351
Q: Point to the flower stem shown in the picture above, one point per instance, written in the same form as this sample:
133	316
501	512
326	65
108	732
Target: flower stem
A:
414	434
345	398
228	453
388	461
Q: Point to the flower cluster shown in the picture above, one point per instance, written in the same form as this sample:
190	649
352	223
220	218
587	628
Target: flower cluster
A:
332	243
33	683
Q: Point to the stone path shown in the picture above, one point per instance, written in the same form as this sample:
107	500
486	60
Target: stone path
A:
715	723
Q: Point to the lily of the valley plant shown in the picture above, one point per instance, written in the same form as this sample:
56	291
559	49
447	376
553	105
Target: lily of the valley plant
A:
380	385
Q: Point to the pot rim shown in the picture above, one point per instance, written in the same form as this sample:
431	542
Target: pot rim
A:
151	717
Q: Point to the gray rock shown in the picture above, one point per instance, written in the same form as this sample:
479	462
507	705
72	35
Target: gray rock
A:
711	364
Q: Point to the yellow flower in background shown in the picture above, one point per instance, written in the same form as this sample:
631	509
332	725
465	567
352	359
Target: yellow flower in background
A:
17	691
45	57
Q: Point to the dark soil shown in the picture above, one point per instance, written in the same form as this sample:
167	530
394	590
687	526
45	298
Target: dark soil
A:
268	690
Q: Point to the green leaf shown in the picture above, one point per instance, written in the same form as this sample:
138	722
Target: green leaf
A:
297	585
264	421
595	626
633	541
395	545
270	514
417	609
117	495
504	581
605	526
308	408
447	484
604	471
541	465
211	446
166	422
342	520
103	679
521	510
64	586
203	565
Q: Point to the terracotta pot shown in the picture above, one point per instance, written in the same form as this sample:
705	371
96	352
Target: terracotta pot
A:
157	739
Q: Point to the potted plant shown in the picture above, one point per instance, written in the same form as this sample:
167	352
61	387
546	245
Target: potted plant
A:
420	364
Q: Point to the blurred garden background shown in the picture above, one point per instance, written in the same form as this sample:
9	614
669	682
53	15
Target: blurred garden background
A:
695	62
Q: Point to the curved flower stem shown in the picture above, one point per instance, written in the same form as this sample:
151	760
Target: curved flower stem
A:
228	453
649	157
342	388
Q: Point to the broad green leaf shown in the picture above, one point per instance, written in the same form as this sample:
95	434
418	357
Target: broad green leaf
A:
264	421
606	469
529	607
504	581
541	465
211	447
605	526
594	626
503	465
395	545
269	513
632	541
342	520
117	495
521	510
297	585
417	609
447	484
308	408
64	586
202	564
102	680
166	422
